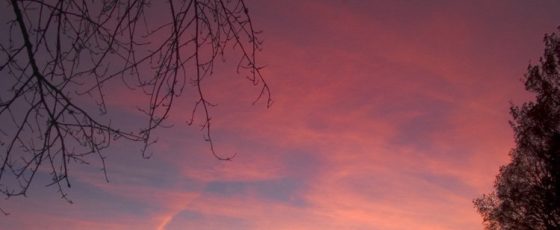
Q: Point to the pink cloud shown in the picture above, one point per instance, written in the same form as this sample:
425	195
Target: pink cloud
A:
386	116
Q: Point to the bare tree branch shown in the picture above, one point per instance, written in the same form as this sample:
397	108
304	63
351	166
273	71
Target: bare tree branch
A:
61	57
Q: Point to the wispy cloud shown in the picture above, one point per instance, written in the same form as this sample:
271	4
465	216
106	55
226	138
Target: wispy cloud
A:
387	116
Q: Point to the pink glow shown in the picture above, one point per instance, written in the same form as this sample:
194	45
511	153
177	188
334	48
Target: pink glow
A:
388	115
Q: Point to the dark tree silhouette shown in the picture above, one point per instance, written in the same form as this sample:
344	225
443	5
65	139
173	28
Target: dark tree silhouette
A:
59	59
527	190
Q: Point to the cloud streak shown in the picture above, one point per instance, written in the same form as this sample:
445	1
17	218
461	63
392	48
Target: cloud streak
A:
387	116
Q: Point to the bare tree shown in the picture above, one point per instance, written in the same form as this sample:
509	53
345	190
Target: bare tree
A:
527	190
58	58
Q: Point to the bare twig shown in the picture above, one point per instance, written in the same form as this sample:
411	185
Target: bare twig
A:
62	55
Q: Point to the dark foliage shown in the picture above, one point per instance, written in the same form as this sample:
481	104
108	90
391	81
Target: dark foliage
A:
527	190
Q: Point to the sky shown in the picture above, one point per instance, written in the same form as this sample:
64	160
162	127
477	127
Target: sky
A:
387	115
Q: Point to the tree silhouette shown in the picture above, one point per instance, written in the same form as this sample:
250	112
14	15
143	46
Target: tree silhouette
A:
527	190
59	59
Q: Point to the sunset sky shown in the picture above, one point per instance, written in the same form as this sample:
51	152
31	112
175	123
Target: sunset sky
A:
387	115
